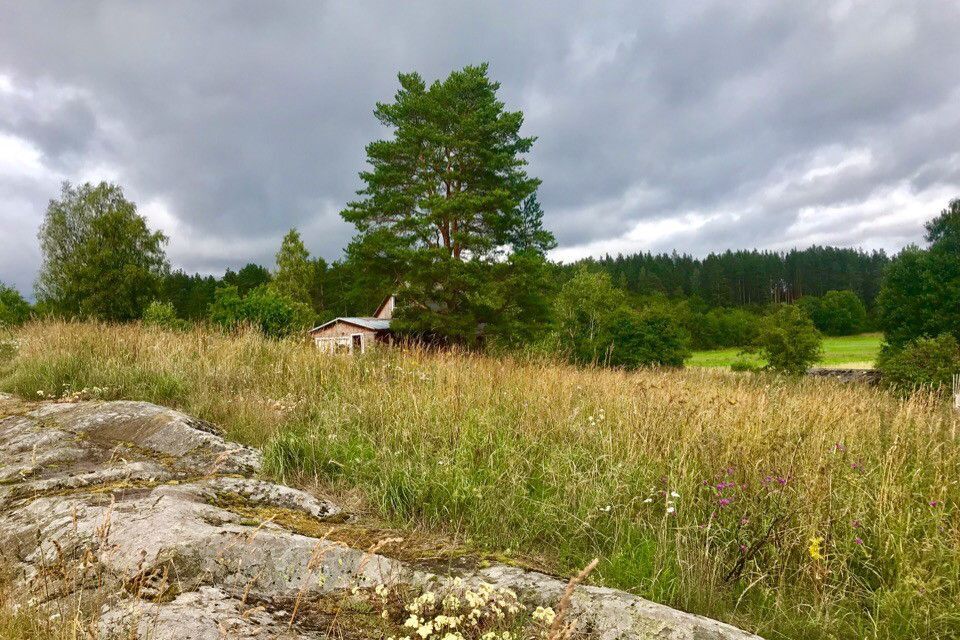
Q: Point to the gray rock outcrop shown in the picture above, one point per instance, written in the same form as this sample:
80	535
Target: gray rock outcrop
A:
156	520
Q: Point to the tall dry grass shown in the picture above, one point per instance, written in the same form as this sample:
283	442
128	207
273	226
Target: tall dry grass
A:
795	508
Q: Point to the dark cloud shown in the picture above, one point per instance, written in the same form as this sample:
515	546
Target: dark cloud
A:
707	124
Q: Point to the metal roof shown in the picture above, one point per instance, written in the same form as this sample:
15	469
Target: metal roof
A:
374	324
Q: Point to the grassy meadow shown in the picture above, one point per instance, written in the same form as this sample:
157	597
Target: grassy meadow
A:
853	352
793	508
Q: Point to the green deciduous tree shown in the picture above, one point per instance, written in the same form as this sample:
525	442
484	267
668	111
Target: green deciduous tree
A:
594	325
265	309
164	315
14	309
294	273
920	296
922	362
442	203
789	340
99	257
840	313
582	312
648	337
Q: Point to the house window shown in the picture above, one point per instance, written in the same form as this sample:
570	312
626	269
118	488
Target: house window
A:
357	344
339	344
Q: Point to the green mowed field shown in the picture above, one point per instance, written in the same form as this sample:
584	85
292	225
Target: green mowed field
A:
854	352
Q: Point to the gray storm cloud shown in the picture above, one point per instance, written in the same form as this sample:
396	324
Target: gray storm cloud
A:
699	126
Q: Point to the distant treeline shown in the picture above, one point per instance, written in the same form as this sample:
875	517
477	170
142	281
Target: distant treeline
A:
740	278
729	279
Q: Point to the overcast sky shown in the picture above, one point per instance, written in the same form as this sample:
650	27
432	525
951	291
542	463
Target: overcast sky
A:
693	126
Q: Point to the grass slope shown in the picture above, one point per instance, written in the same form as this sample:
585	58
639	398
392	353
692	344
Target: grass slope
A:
854	352
794	508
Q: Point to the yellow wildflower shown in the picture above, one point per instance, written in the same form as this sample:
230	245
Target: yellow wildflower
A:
814	548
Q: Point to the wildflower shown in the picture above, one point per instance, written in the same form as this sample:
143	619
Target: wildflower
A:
858	540
674	494
934	503
723	502
671	509
814	548
545	615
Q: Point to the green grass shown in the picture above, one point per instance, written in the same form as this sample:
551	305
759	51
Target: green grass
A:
695	488
854	352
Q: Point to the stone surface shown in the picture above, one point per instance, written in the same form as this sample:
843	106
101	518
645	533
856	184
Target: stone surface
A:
868	376
156	517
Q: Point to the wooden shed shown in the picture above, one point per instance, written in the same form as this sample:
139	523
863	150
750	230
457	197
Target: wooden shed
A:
352	335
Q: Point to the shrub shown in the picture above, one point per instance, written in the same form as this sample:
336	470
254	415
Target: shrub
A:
789	340
921	363
811	306
163	315
14	310
649	337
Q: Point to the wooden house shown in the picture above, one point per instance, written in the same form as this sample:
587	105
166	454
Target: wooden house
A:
353	335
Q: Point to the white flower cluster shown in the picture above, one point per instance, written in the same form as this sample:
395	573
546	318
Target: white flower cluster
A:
597	418
68	395
286	404
465	612
671	501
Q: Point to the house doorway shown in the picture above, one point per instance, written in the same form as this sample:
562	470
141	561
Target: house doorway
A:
357	344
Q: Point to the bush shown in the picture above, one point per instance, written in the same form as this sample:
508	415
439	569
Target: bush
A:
274	314
14	310
163	315
840	313
719	328
789	340
649	337
742	364
595	325
921	363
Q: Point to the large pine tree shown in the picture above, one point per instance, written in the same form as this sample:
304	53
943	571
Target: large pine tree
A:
442	206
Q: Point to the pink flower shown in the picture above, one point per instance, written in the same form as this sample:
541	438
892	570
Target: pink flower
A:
858	540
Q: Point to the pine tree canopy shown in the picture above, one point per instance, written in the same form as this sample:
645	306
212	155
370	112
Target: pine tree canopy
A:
452	177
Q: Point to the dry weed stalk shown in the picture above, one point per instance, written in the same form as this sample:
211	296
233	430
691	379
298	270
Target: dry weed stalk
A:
561	629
